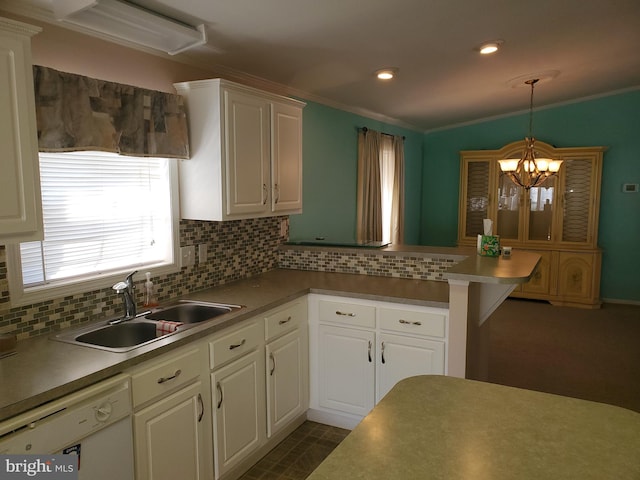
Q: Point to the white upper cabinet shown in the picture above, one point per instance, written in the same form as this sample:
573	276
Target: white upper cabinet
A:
246	152
20	202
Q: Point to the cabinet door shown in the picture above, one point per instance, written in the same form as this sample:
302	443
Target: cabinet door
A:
575	275
169	437
346	369
541	204
402	357
247	153
285	381
20	202
239	416
580	175
540	281
476	202
510	200
286	159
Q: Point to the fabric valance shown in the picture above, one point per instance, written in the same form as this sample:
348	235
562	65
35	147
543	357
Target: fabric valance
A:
75	112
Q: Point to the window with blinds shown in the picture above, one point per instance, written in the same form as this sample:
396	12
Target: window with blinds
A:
103	213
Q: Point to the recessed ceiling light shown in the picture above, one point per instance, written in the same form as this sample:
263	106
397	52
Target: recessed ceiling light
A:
386	73
490	47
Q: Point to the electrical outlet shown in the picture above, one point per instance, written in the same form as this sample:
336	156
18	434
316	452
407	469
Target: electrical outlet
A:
202	253
187	256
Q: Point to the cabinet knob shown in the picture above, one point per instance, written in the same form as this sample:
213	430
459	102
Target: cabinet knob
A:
345	314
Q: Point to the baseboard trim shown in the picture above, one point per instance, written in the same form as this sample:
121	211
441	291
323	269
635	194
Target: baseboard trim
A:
340	420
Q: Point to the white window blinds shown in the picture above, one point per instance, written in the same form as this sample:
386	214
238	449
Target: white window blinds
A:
102	213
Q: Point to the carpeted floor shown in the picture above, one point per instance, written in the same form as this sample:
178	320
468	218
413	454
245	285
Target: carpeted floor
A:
588	354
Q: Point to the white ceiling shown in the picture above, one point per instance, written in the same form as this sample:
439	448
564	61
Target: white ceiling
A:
329	50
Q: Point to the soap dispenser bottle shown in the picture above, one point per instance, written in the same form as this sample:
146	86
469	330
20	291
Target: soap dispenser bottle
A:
149	294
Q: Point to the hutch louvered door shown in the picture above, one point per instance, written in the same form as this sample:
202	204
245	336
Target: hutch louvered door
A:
558	220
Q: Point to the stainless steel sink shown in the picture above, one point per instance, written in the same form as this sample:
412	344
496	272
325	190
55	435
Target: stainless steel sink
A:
191	312
127	334
142	330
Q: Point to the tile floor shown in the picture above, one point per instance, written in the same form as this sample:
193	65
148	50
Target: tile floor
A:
298	454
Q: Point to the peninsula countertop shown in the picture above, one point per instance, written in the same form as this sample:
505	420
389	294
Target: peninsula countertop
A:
449	428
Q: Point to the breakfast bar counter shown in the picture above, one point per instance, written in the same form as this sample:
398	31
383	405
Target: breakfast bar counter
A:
433	427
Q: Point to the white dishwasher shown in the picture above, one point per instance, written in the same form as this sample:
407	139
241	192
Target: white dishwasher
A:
93	423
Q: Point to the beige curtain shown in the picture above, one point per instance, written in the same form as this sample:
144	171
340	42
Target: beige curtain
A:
74	113
380	199
397	209
369	201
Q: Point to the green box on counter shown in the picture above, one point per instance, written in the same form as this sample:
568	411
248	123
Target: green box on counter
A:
490	246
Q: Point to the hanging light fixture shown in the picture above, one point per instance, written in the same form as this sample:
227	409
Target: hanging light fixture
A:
529	171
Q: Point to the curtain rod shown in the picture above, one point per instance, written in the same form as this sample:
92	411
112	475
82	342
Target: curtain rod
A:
365	130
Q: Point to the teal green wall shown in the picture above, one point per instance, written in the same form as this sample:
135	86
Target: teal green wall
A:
612	121
433	175
330	152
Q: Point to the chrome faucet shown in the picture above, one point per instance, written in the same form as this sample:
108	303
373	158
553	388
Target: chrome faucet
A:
126	290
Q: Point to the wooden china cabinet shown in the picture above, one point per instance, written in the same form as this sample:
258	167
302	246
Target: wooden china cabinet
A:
558	220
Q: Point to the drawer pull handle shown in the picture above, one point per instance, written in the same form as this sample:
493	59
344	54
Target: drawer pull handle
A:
201	405
406	322
369	351
273	361
219	388
238	345
345	314
383	359
166	379
282	322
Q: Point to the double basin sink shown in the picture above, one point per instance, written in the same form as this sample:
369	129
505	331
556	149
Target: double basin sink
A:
145	328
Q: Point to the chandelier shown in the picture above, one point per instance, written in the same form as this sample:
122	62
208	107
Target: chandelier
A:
529	171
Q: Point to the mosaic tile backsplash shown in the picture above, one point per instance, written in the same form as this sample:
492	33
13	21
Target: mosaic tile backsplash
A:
418	267
236	249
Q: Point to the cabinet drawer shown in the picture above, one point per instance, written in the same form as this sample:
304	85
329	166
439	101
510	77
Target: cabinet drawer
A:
348	314
413	322
235	344
284	320
159	379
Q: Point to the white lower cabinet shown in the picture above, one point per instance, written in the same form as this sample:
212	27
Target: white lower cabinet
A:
169	424
346	369
401	357
213	408
285	381
237	394
169	437
259	386
239	415
359	349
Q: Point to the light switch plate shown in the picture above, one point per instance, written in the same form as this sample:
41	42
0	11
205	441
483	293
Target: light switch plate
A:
630	188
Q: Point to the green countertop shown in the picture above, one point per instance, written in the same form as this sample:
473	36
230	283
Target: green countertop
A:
433	427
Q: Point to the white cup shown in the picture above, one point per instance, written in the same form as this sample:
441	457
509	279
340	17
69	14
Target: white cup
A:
506	252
